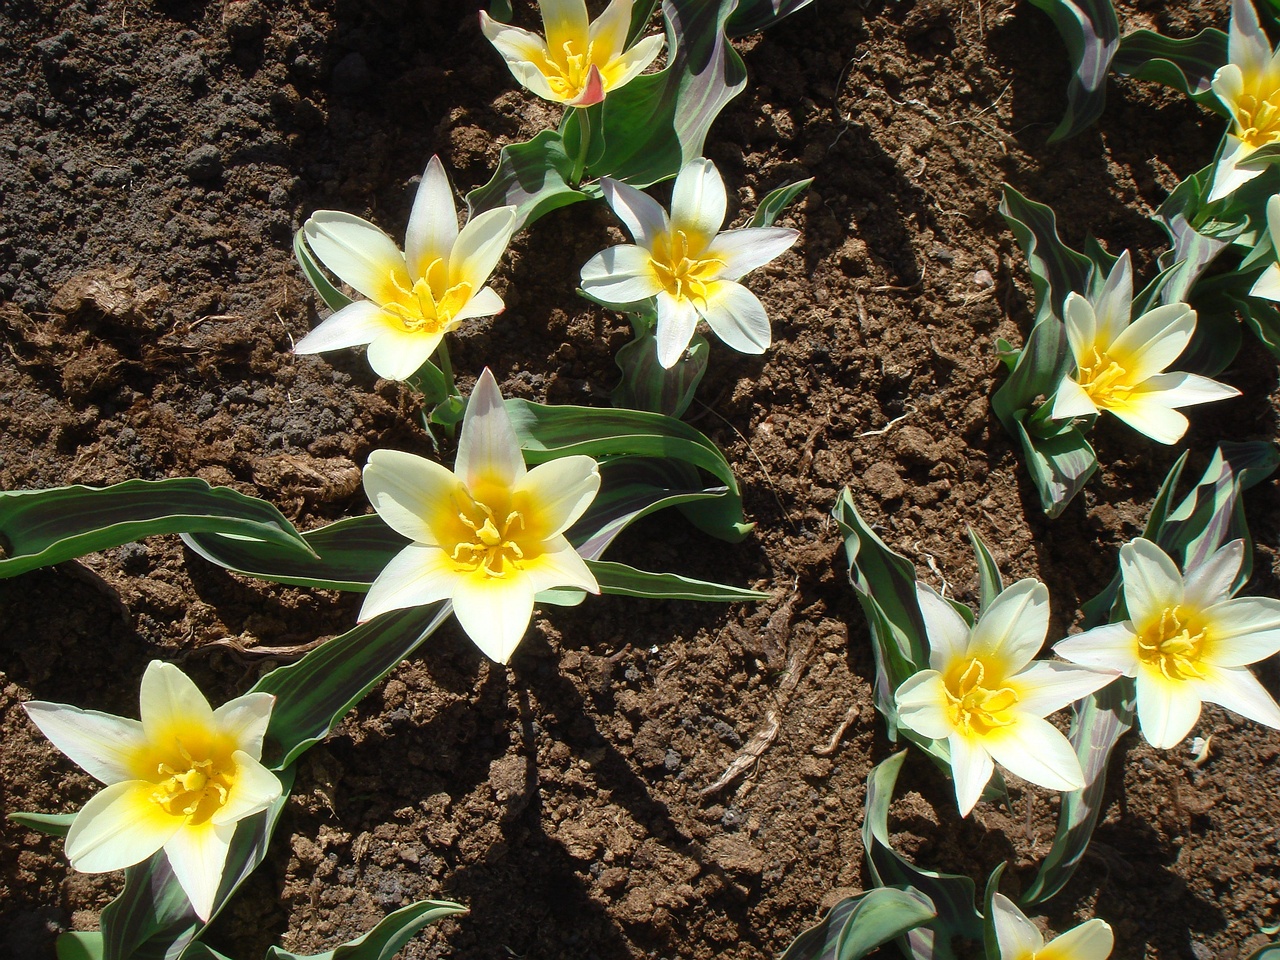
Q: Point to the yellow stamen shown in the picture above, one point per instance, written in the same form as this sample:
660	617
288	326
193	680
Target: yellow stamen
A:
1105	380
196	792
1174	644
975	708
429	306
567	73
683	276
494	545
1257	116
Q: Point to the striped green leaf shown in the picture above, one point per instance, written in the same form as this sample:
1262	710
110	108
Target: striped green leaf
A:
859	924
1056	269
1091	32
625	581
50	824
79	945
532	176
1187	65
752	16
777	201
333	298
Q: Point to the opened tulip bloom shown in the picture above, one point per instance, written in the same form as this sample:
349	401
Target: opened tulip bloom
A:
488	537
683	261
1187	641
1248	85
1119	366
180	779
1267	286
986	696
579	62
414	297
1019	939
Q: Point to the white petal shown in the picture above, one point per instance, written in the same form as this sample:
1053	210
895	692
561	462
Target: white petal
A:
494	612
480	246
946	630
1273	221
245	720
254	789
677	319
1070	400
1082	327
488	449
170	701
1152	582
358	252
737	317
621	275
1154	340
1267	286
559	565
643	216
1016	936
119	826
1240	692
1167	709
565	21
1115	303
1035	750
517	46
355	325
971	769
486	303
922	705
1185	389
410	493
1012	629
608	31
105	746
555	494
416	576
396	354
1092	940
1247	45
433	224
1230	174
698	203
631	64
1242	631
198	856
748	248
1150	416
1112	646
1047	686
1212	581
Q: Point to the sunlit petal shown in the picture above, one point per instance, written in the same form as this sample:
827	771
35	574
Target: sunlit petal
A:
415	576
621	275
1267	286
1081	324
414	496
1212	581
565	22
245	720
359	253
120	825
608	32
643	216
1231	174
1113	646
1071	401
1047	686
397	353
106	746
1242	631
1185	389
1151	580
1240	692
971	769
358	323
480	246
1037	751
1092	940
1154	340
1016	936
946	630
748	248
1150	416
555	494
922	705
198	856
494	611
486	303
488	450
171	703
1114	305
622	70
1167	709
254	789
698	202
737	317
1012	629
433	223
677	320
559	565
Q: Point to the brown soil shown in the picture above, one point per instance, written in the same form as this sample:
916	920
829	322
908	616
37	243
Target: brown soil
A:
155	158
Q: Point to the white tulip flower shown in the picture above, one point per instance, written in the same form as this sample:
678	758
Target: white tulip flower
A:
180	779
987	696
1019	939
1267	286
488	537
414	297
579	62
1119	366
686	264
1248	85
1186	641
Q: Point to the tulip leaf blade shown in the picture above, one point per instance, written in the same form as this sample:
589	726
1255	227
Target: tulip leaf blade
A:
1056	269
333	298
1187	64
752	16
79	945
648	385
859	924
990	583
50	824
622	580
777	201
39	528
532	176
1091	32
387	938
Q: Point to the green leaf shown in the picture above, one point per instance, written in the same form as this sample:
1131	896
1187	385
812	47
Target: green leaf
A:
776	201
752	16
625	581
79	945
859	924
1060	464
990	940
951	895
1192	251
647	385
333	298
1056	269
385	940
43	527
1091	32
315	693
990	583
1186	65
50	824
532	176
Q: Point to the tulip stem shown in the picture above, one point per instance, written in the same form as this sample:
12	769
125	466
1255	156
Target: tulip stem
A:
584	144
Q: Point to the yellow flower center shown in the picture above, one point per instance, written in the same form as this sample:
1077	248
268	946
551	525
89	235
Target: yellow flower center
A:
567	74
1173	644
420	309
1257	118
976	708
493	547
1105	380
683	276
195	792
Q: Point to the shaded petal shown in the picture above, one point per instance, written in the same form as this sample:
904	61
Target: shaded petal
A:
1113	646
1167	709
1070	400
244	721
565	21
1114	308
1241	631
748	248
107	747
1151	580
494	611
355	325
1267	286
359	253
1212	581
198	856
414	496
398	353
922	705
1230	173
480	246
1154	341
433	223
945	629
555	494
1035	750
530	76
416	576
971	769
1273	218
1016	936
643	216
1012	629
1047	686
677	319
737	317
119	826
486	303
169	701
1081	323
559	565
488	449
698	203
1092	940
254	789
1240	692
621	275
1150	416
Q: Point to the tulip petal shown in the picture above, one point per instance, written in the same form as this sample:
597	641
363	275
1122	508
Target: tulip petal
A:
621	275
433	223
643	216
737	317
1150	416
1016	936
945	629
559	565
1242	631
517	46
1185	389
1091	940
1240	692
971	769
120	826
1151	580
565	22
414	496
486	303
488	449
1081	323
397	353
1153	341
414	577
608	32
173	709
358	323
1167	709
1267	286
1247	46
698	203
1231	173
359	253
1070	400
253	790
748	248
1047	686
1113	646
198	856
622	70
244	721
677	320
1012	629
922	705
1114	307
480	246
107	747
1035	750
1211	582
494	611
553	495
